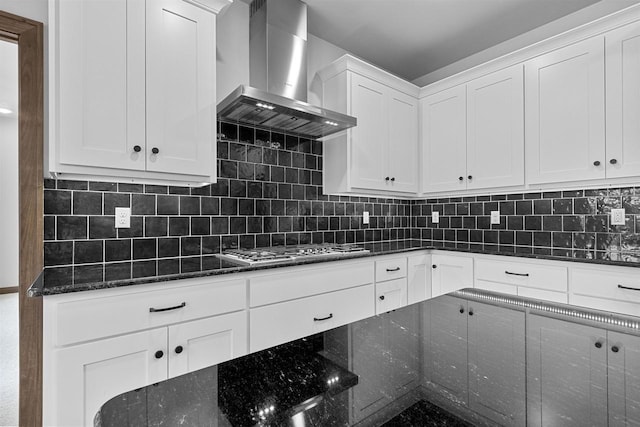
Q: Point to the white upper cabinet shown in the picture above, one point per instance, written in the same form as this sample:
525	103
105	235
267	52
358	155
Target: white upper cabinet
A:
443	119
495	130
473	134
623	102
565	114
133	90
379	155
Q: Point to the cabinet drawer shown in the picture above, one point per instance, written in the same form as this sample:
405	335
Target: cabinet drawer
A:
612	284
549	277
392	268
305	281
279	323
391	294
118	313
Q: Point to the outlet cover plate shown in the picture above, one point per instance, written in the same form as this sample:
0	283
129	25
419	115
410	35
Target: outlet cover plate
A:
617	217
123	217
365	217
495	217
435	217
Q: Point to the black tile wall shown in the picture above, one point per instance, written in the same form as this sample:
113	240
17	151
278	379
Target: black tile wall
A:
268	193
572	224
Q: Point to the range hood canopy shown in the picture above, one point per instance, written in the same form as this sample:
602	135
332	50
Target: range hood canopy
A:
277	96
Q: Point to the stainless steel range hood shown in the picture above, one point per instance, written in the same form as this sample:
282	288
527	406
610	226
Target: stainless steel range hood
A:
277	96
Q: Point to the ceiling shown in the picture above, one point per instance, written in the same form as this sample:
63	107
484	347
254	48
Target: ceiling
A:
411	38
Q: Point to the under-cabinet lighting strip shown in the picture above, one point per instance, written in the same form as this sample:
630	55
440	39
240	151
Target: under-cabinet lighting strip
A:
599	316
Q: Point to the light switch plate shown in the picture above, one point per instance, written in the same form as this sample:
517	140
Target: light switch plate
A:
495	217
617	216
123	217
435	217
365	217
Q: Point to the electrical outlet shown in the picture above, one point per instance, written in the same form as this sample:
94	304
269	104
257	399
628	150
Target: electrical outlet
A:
365	217
123	217
495	217
435	217
617	216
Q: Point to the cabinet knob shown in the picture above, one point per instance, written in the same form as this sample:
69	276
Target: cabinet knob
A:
460	178
615	349
596	163
434	266
470	177
598	344
137	148
387	178
381	297
613	161
393	178
155	150
461	310
470	312
179	349
159	354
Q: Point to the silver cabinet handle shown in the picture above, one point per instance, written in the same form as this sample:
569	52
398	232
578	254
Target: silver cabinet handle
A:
158	310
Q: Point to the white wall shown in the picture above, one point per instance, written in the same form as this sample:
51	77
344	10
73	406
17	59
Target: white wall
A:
320	53
9	165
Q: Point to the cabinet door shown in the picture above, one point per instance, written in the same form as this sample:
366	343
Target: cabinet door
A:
566	373
497	370
181	109
444	145
623	101
202	343
624	379
391	295
565	113
402	143
445	349
369	138
88	375
495	129
98	83
450	273
418	278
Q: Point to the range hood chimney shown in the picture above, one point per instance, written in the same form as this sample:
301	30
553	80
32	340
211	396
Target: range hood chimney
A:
277	96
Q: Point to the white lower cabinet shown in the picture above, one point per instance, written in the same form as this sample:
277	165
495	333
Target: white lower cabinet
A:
566	373
450	273
474	356
418	278
623	379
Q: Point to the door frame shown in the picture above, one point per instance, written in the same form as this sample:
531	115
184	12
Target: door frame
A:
28	34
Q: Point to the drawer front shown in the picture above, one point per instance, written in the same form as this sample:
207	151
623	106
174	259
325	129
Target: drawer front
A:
542	294
104	316
305	281
391	294
279	323
392	268
496	287
549	277
607	283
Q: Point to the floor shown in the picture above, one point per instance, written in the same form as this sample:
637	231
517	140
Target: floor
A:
425	414
9	360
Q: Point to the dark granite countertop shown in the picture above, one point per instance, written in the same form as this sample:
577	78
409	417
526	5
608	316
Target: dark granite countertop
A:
306	379
216	266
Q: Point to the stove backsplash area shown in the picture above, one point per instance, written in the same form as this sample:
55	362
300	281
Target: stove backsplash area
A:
269	192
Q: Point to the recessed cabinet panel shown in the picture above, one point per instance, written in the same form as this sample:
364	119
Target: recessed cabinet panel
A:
369	137
180	92
623	101
495	130
100	83
450	273
402	142
444	140
565	114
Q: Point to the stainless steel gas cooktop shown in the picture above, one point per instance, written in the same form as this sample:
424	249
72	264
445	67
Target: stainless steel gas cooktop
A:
277	254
